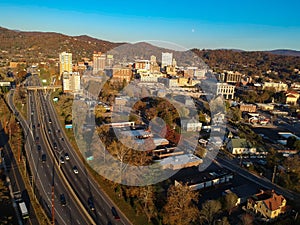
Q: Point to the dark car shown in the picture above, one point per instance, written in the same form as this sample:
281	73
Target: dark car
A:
63	201
37	139
55	145
39	147
115	213
43	157
91	203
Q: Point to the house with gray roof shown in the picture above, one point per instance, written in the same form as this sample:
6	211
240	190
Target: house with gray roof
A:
240	146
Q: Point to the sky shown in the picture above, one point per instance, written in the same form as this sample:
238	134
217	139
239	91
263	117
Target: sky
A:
214	24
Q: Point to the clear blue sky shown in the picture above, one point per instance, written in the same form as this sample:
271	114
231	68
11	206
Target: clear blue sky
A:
248	25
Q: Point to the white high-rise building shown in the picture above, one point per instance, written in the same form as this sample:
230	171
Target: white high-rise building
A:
65	62
71	82
166	59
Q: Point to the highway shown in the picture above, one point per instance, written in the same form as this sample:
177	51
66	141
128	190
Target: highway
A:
43	172
83	184
46	132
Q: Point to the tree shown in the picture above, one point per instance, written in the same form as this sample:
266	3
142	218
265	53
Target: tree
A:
272	158
202	117
180	207
247	219
236	114
146	198
291	141
230	201
292	164
297	145
223	221
209	210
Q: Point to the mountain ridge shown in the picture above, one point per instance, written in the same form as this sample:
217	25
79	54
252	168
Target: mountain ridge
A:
104	45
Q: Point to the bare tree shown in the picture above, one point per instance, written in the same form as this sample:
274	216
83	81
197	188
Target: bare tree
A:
180	207
230	201
209	210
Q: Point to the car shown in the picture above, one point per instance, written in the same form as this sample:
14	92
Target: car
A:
54	145
44	157
38	125
50	121
62	198
91	203
39	147
75	170
33	126
62	139
49	131
37	139
115	213
62	160
67	156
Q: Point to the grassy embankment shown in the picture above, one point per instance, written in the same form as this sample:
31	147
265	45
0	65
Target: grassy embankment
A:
64	109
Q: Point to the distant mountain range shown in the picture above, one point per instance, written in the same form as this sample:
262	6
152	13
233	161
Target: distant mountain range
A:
286	52
38	46
27	46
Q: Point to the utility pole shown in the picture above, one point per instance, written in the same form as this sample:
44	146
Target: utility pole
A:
274	173
19	150
53	220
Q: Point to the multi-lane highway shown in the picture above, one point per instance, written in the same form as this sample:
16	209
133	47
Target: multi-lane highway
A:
43	172
47	148
82	183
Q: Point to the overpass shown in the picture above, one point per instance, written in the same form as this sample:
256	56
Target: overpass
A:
35	88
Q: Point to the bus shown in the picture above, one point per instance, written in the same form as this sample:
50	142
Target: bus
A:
23	209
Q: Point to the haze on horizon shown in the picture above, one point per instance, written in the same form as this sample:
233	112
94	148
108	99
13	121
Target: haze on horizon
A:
247	25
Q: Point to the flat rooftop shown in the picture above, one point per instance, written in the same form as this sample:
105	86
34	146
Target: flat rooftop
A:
180	161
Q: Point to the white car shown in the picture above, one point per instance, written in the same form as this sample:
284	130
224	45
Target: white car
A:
67	156
75	170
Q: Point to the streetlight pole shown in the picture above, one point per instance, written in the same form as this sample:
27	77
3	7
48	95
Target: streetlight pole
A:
53	211
53	194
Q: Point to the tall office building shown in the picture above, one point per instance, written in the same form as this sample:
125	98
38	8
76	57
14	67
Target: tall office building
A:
71	82
166	59
99	60
65	62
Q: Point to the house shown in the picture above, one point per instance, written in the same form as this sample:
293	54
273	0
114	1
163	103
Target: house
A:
240	146
267	204
191	125
248	108
292	98
265	107
276	86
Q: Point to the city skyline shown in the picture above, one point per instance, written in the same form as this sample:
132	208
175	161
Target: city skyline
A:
249	25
